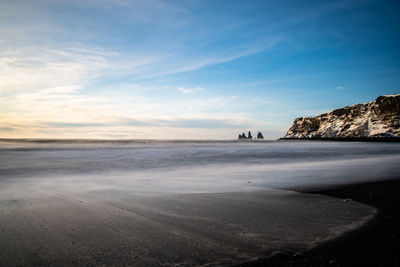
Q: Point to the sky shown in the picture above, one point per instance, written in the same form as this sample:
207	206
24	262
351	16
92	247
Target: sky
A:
130	69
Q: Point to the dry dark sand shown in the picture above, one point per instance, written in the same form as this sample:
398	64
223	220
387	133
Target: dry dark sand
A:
120	228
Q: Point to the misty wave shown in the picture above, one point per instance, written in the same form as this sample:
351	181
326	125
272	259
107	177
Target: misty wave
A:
165	166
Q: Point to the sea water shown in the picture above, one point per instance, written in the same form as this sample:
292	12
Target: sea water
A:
153	167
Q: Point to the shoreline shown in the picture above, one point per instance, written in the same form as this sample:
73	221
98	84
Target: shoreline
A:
375	243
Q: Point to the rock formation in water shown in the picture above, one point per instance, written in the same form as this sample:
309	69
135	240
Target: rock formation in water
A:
242	136
379	118
249	137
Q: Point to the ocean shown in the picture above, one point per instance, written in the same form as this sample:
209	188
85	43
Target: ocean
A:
148	166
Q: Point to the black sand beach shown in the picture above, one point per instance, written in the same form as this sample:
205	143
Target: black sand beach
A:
116	228
377	243
211	204
75	232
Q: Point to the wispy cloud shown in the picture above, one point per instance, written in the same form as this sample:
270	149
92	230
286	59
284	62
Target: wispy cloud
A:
30	69
199	123
185	90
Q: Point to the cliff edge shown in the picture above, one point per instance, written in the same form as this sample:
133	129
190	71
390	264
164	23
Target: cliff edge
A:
376	119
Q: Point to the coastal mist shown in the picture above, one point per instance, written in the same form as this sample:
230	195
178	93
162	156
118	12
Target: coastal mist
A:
193	167
151	203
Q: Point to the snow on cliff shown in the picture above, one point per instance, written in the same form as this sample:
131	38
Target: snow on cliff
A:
379	118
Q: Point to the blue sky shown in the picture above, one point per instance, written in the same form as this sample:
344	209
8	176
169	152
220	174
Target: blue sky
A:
189	69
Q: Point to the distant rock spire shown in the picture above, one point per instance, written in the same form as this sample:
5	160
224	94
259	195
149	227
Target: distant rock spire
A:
242	136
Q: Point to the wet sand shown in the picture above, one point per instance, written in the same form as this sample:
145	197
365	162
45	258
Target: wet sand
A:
120	228
376	243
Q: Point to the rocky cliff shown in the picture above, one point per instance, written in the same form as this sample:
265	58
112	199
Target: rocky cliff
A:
379	118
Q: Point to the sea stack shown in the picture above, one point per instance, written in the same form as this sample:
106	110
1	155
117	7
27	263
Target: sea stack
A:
377	119
250	136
